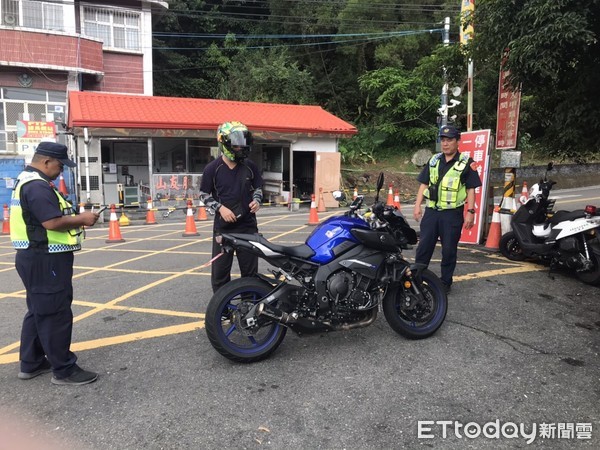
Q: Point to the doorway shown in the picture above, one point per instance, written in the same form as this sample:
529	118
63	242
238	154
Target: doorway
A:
304	174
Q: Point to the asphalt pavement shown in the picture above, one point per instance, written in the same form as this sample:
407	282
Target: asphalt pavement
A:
518	353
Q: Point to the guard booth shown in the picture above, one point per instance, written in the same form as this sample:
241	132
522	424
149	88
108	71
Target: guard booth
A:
137	146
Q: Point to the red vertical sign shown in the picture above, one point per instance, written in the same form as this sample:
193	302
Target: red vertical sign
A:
507	121
476	145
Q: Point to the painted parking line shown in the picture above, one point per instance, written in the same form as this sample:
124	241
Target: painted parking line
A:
9	355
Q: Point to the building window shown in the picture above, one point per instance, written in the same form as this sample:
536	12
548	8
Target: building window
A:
116	28
32	14
35	104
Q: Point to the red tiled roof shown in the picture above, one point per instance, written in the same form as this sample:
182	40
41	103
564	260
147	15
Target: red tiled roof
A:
103	110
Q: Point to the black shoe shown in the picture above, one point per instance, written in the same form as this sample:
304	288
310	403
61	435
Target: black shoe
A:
77	378
446	288
44	368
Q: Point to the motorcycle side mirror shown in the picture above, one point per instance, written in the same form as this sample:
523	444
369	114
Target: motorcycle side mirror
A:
379	185
339	196
550	166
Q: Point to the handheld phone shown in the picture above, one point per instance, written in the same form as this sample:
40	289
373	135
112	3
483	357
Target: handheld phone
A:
101	210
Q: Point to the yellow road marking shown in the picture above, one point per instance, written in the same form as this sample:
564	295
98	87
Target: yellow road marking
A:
493	273
121	339
6	357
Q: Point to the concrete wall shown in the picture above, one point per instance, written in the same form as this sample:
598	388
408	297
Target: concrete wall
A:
566	175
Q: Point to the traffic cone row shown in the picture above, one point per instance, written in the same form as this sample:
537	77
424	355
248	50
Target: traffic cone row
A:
190	225
390	197
114	231
321	206
495	232
313	218
6	220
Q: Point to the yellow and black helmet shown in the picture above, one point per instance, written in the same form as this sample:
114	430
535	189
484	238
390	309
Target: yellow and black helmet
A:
234	140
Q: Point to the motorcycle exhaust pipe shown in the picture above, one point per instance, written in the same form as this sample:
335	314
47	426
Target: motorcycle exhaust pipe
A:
365	323
276	314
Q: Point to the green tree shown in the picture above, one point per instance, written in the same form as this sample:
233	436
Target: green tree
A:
554	52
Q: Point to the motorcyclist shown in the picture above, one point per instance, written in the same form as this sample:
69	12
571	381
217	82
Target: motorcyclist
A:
232	186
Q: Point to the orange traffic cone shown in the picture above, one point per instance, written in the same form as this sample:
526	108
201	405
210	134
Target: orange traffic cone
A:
62	186
114	231
493	239
355	195
524	194
190	225
201	212
397	200
390	199
150	219
321	207
313	218
6	220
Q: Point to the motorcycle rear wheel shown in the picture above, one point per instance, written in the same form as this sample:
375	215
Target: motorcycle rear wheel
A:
223	326
510	248
593	276
417	321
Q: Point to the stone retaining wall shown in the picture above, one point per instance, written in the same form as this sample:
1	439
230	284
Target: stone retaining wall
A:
566	175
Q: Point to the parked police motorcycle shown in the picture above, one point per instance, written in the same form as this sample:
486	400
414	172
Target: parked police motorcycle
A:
349	266
565	239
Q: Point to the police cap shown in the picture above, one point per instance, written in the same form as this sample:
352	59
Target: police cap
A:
56	151
449	131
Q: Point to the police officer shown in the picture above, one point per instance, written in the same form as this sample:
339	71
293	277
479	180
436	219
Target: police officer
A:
45	231
448	183
232	186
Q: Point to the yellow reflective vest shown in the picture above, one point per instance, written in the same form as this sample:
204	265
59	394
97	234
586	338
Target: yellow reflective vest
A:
451	192
21	232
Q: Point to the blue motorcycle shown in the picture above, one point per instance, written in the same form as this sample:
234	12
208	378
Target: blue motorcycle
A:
349	266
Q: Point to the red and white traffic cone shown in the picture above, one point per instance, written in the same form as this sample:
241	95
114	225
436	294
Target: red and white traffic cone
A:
495	232
190	225
6	220
114	231
201	212
313	218
150	219
62	186
524	194
397	200
390	198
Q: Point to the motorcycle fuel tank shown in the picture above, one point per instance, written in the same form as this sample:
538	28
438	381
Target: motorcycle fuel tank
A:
332	237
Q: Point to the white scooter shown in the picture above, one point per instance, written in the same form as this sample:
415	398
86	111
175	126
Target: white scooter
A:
567	239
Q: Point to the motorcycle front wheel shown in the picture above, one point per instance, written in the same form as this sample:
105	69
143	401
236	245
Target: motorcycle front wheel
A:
225	329
510	248
413	316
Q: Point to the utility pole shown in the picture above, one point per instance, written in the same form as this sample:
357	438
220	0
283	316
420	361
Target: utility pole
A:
444	107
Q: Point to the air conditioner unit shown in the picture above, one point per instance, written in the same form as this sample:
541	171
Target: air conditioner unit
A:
9	19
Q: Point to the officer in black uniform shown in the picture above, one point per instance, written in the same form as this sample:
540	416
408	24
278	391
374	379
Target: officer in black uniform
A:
448	184
45	230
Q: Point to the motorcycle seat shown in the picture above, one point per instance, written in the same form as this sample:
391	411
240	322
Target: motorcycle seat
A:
561	216
299	251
